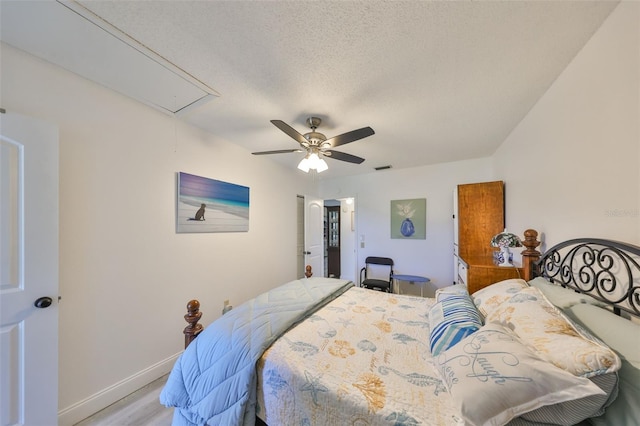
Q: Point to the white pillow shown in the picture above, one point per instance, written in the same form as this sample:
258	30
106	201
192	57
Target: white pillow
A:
493	377
553	336
489	298
562	297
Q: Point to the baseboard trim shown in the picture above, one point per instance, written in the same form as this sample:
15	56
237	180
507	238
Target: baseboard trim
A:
82	409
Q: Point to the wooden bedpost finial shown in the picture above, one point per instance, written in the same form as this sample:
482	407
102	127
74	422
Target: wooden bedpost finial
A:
530	255
192	317
530	241
308	272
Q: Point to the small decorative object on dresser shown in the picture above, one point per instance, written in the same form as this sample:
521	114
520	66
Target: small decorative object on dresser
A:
504	240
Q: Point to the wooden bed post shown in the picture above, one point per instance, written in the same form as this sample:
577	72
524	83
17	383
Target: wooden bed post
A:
530	255
308	272
192	317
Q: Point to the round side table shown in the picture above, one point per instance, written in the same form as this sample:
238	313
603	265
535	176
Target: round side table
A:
412	279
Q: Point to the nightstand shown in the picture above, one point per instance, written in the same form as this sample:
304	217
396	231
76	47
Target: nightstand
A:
481	272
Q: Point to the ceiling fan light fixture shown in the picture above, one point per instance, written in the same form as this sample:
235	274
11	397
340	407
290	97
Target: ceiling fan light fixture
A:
316	163
313	162
304	165
321	166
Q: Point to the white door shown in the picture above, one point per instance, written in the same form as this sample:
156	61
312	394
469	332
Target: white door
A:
300	250
313	234
28	271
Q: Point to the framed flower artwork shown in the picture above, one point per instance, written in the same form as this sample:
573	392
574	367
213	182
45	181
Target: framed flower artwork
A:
409	219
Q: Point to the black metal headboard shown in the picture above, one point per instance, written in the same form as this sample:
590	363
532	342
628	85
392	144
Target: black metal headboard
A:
608	271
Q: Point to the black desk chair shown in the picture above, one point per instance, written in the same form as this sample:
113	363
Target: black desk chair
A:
367	274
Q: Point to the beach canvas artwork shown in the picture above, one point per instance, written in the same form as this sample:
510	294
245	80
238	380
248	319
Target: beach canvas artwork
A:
209	205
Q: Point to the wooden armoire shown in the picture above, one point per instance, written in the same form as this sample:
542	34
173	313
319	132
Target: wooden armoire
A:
478	216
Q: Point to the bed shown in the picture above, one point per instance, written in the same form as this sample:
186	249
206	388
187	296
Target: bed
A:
560	346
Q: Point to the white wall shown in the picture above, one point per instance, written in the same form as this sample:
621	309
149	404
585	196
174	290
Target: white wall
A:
572	166
125	275
432	257
347	241
571	169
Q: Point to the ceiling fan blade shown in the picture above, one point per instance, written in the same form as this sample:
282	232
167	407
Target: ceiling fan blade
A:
351	136
290	131
279	151
343	156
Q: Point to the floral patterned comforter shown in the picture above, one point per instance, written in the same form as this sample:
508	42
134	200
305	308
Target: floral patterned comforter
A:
363	359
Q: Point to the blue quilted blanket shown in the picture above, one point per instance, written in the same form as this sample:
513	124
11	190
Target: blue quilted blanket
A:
214	381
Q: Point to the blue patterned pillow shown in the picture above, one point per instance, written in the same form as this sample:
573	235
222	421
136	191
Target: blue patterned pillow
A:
451	320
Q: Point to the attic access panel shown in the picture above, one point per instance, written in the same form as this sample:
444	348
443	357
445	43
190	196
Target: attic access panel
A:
72	37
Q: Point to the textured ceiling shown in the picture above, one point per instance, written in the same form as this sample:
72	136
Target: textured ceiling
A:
438	81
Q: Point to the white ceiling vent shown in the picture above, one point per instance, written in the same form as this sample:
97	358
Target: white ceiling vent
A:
74	38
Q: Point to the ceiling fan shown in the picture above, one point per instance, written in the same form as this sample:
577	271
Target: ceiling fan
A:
316	145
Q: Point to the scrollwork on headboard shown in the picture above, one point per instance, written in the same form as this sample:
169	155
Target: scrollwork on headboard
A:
608	271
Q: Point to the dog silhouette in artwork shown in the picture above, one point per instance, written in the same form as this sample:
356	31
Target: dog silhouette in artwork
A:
200	213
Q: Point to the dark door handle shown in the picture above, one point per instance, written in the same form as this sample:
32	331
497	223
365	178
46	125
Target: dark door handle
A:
43	302
306	252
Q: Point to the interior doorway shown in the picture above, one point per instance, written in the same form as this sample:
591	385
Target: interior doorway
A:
343	243
332	234
300	253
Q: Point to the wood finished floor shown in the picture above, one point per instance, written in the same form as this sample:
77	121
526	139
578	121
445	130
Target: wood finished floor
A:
141	408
